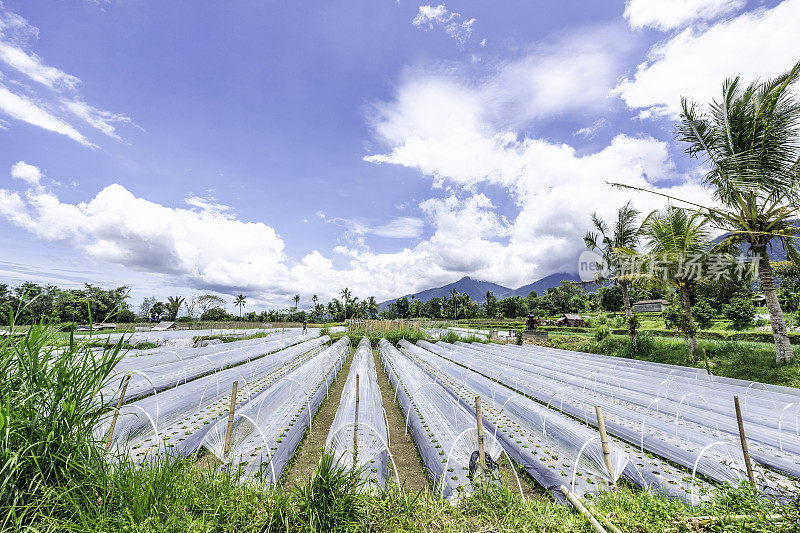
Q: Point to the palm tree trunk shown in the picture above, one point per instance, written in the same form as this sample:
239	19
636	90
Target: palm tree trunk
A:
687	309
626	299
783	348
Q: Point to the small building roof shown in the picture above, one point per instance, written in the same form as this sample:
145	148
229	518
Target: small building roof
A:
570	316
659	301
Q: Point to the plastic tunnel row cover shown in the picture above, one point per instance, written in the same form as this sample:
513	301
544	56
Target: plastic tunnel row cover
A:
175	419
528	428
632	390
776	439
698	453
365	444
154	379
141	359
444	431
268	428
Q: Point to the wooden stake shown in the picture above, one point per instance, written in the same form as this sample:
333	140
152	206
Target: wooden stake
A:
601	426
355	428
576	503
481	450
231	412
116	411
743	440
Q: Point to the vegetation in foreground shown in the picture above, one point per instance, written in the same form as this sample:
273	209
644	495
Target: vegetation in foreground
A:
54	477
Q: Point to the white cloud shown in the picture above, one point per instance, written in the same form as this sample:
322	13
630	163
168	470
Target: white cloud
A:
28	173
97	118
430	17
591	130
670	14
54	107
440	128
24	109
695	62
31	65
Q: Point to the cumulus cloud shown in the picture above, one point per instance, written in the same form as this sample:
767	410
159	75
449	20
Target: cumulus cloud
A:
28	173
696	61
453	24
442	129
670	14
59	102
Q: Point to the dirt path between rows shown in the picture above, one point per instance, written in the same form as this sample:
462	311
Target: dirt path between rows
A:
313	444
409	465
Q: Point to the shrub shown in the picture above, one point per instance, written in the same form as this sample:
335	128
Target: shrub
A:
602	332
740	312
703	314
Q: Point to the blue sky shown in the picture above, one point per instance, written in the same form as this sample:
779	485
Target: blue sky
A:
275	147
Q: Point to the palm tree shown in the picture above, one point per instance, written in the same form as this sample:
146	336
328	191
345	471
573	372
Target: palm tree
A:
751	140
372	306
675	235
346	294
615	246
314	299
174	304
296	300
239	302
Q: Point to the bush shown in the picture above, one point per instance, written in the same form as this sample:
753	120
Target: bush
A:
125	316
703	314
602	332
740	312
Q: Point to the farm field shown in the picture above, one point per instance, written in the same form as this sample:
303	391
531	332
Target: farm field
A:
284	460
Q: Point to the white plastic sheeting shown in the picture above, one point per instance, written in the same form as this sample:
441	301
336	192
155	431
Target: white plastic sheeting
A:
546	443
267	429
551	381
365	445
175	420
141	359
444	431
153	379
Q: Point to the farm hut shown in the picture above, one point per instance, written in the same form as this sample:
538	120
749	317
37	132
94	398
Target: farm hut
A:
163	326
571	320
759	300
650	306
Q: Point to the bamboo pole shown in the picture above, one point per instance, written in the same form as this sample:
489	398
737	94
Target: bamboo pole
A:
743	440
355	428
601	426
231	412
481	450
116	411
576	503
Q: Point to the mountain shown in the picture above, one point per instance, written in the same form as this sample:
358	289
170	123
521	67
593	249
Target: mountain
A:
477	289
547	282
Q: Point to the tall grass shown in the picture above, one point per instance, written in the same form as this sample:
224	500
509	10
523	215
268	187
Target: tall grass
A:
49	410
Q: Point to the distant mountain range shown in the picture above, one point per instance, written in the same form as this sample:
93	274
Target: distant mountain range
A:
477	289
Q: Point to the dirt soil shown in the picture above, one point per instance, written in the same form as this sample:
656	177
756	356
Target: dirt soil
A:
409	465
305	460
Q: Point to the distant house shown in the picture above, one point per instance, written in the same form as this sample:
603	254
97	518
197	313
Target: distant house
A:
163	326
759	300
570	320
650	306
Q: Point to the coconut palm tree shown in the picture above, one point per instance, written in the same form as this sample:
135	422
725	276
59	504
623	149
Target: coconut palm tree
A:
239	302
751	140
372	306
346	295
296	300
174	304
675	236
614	245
